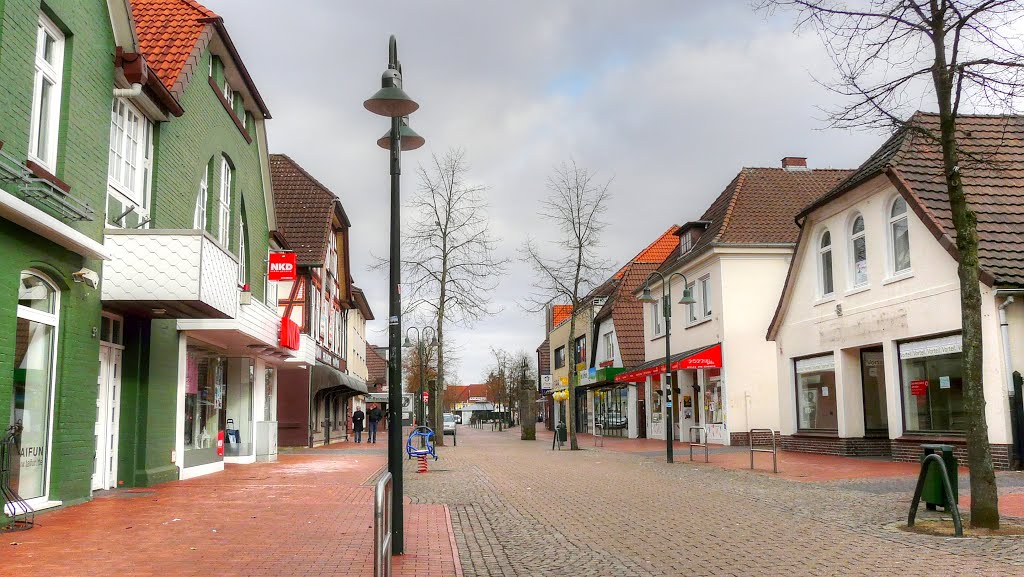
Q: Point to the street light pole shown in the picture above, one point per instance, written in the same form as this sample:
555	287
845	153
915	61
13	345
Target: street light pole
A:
666	291
393	102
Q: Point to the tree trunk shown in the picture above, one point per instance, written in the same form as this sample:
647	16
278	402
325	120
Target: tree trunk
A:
984	493
438	389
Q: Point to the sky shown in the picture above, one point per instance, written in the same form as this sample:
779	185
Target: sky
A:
667	98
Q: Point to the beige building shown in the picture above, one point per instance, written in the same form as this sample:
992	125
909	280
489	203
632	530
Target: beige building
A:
868	330
734	259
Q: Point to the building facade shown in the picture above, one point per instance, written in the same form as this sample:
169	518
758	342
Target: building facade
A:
868	331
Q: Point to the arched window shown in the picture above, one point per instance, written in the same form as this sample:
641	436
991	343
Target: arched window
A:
199	217
224	202
243	249
34	353
858	252
899	236
825	284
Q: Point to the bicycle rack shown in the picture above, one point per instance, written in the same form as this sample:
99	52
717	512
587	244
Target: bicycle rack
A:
958	526
699	429
21	515
382	526
773	450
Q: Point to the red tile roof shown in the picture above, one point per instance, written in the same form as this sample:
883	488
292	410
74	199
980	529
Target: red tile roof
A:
758	207
462	393
656	252
168	32
559	313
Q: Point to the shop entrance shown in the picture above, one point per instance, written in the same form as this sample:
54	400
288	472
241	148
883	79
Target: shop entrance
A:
872	373
108	411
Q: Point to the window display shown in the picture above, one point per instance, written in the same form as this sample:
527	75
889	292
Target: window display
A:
611	407
932	385
714	397
205	383
816	393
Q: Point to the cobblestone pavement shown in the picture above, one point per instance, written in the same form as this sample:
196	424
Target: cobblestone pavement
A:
309	514
519	508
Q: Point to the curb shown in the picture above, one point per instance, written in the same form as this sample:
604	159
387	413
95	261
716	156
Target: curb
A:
451	539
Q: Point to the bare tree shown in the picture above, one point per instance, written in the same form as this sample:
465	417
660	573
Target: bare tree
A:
891	54
575	208
450	268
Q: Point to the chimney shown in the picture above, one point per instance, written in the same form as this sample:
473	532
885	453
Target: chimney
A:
794	163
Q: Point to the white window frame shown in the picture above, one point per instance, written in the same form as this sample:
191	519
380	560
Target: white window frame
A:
53	73
853	237
821	252
229	94
657	317
202	200
243	269
126	119
704	283
224	204
332	254
609	347
893	220
51	319
691	309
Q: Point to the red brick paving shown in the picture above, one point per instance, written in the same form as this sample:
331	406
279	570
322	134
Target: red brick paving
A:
1010	504
304	515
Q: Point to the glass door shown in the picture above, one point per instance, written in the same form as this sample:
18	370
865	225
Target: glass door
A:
872	372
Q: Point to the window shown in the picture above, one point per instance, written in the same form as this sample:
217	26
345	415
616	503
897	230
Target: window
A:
199	218
332	254
229	94
35	342
899	236
858	252
691	309
224	203
243	253
46	89
685	242
560	357
816	393
581	350
932	385
705	295
130	166
825	283
657	317
609	347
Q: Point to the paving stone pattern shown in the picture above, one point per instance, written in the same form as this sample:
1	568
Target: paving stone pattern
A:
519	508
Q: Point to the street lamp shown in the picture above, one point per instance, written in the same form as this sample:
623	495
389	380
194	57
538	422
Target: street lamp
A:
421	350
687	299
393	102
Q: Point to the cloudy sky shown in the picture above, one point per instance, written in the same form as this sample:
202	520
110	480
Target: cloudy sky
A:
668	98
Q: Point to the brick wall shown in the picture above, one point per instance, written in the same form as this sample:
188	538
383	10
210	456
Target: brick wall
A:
760	438
910	451
849	447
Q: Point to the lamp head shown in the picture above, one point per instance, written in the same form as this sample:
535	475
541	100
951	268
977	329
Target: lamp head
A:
433	341
407	342
647	297
391	100
687	297
409	140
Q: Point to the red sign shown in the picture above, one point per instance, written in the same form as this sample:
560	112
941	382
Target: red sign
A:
281	266
220	443
919	388
426	397
709	358
289	334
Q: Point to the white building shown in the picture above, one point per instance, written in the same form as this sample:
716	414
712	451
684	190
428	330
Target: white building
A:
734	259
867	332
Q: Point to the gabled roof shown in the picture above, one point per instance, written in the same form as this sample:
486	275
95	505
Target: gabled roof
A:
627	313
304	208
172	35
757	208
657	251
462	393
559	313
992	167
361	303
376	366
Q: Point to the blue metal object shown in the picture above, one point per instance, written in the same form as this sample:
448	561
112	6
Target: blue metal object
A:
425	433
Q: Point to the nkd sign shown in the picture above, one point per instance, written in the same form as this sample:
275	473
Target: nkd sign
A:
281	266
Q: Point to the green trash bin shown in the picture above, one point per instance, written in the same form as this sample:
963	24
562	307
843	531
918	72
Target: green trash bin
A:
563	434
933	494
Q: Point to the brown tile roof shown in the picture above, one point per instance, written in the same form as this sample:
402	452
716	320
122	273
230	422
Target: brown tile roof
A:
758	207
992	167
168	31
376	366
559	313
544	357
304	207
628	313
361	303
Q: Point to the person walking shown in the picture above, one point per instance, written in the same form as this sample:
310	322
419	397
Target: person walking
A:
374	416
357	424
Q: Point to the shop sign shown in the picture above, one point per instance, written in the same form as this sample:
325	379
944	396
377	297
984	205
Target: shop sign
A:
919	388
545	382
931	347
281	266
816	364
710	358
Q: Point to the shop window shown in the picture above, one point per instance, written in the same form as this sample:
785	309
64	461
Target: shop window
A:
657	400
826	285
932	385
205	385
816	394
714	397
560	357
35	346
611	410
46	94
899	236
858	252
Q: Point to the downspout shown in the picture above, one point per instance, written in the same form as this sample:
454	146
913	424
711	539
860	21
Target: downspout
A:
1004	333
132	92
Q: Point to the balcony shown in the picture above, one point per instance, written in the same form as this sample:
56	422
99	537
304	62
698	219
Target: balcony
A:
180	274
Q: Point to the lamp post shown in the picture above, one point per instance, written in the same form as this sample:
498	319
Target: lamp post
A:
391	101
421	350
687	299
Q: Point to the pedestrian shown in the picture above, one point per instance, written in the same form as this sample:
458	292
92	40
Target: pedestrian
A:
375	416
357	424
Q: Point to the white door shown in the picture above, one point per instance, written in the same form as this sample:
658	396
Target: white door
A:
108	410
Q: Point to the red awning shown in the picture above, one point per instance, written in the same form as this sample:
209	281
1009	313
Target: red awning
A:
709	357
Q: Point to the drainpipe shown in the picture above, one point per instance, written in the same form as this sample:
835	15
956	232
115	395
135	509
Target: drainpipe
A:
1004	333
132	92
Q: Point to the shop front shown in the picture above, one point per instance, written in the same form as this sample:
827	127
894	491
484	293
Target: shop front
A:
611	405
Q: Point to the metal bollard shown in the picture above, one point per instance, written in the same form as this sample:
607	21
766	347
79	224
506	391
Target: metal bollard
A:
382	526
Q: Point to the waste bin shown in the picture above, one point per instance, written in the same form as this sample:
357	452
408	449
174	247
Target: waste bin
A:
563	434
933	494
